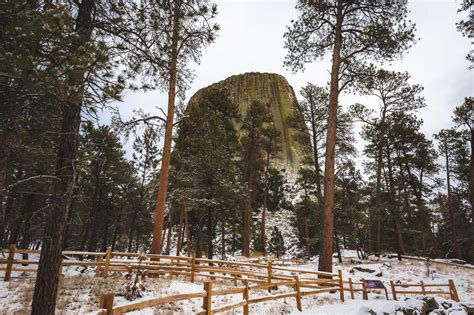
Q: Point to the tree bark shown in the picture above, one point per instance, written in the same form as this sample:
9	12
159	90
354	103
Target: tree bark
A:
327	231
49	268
46	287
165	164
454	233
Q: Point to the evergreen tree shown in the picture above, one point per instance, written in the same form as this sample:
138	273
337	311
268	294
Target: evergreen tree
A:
255	129
205	172
351	31
394	95
277	244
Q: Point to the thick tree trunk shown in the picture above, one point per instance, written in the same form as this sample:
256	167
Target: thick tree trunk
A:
327	231
165	162
454	232
46	287
49	268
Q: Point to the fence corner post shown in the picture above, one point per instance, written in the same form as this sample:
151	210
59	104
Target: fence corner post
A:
207	300
341	285
108	253
107	303
246	297
298	293
11	258
453	291
394	291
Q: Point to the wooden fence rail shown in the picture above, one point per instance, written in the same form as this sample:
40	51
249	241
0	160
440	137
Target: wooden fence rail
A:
252	275
425	289
106	301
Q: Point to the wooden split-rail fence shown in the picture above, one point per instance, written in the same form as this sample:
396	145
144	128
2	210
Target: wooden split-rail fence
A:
246	277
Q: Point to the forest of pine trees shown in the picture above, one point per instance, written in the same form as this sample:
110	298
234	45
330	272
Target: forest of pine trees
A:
67	182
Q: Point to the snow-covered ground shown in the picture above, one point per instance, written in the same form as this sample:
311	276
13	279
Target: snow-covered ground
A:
80	291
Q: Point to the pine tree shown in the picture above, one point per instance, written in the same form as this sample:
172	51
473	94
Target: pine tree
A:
277	243
205	174
394	95
350	31
191	30
255	129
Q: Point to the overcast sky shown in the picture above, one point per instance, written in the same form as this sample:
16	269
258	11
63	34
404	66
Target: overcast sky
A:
251	39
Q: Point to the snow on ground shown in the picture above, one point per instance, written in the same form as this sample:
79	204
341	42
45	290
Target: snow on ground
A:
80	290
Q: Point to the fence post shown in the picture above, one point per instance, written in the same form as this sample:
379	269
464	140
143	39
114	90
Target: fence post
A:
453	291
423	291
107	262
394	291
365	295
269	273
207	301
193	262
99	263
298	293
235	280
351	287
11	258
246	297
341	285
107	303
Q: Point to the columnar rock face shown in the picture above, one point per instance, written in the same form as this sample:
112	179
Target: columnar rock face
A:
274	91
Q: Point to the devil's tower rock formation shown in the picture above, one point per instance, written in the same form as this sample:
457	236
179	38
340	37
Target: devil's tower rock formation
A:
274	91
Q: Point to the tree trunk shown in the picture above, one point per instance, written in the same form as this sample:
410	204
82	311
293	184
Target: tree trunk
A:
338	248
132	229
264	210
180	231
168	238
327	231
315	152
454	232
116	231
378	185
165	164
210	234
46	287
223	240
395	212
471	181
188	236
306	236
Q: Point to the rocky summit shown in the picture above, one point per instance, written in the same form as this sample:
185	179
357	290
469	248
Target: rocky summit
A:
273	90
